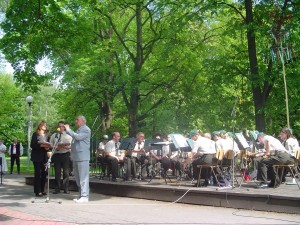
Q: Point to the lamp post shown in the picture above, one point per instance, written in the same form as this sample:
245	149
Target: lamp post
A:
29	100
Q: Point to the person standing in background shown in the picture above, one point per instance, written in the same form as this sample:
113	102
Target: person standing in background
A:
2	157
15	151
80	155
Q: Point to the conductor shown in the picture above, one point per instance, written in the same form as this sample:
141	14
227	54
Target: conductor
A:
80	155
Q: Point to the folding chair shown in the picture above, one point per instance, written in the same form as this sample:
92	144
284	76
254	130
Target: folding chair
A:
293	167
228	165
214	166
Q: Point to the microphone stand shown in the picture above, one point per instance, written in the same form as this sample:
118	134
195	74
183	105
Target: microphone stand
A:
233	114
48	166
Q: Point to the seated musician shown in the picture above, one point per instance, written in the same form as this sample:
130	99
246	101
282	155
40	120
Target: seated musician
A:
173	156
275	153
112	155
290	143
229	145
138	156
203	153
220	142
160	155
100	153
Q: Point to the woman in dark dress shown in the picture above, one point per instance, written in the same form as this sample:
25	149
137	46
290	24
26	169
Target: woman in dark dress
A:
40	146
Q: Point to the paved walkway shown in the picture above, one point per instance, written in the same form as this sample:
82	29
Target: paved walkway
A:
18	205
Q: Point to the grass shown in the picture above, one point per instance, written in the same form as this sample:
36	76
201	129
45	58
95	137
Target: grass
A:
23	165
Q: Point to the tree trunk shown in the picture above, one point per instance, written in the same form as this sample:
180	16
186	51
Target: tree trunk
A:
138	62
106	115
258	97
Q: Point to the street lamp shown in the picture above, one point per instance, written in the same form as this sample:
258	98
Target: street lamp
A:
29	100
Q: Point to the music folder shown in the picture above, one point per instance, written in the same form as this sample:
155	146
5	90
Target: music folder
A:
241	141
127	143
153	144
181	143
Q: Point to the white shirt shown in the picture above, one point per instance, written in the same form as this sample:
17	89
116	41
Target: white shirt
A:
204	146
13	150
101	145
59	139
274	144
222	144
2	148
232	145
138	146
291	145
112	147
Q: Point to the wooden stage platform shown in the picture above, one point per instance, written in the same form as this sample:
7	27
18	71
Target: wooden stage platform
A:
285	199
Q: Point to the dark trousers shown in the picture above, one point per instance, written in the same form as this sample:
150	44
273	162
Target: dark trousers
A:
39	177
130	167
14	158
166	163
265	168
202	160
113	166
61	162
70	166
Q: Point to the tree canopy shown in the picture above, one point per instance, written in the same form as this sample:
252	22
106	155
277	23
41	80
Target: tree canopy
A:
160	66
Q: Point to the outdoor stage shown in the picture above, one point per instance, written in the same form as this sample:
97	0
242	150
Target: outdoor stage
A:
285	199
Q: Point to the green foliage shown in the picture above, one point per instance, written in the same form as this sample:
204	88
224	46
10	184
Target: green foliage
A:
12	110
180	64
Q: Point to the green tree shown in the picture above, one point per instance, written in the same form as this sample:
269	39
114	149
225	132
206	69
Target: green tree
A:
12	110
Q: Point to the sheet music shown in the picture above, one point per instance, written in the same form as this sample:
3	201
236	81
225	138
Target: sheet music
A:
181	142
242	140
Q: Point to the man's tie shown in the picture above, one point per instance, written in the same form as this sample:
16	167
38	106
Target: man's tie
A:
117	149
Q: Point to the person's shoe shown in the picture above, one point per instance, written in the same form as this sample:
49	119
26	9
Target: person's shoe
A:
262	186
56	192
44	193
82	200
39	195
66	192
114	180
272	185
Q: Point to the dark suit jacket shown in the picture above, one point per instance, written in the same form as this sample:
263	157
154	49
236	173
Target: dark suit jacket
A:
38	153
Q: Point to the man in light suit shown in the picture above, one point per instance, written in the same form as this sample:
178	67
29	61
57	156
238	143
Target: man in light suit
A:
80	155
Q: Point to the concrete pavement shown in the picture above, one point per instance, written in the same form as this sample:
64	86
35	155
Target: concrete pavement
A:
18	205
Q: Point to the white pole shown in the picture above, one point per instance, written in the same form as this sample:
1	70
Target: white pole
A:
28	136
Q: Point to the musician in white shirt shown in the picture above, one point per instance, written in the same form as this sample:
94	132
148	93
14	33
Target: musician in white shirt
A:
290	143
203	153
112	154
275	153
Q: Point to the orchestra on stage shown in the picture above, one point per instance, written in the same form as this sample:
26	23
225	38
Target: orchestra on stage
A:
219	158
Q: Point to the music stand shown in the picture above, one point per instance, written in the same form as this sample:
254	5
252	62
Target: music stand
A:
127	144
243	146
182	144
157	145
